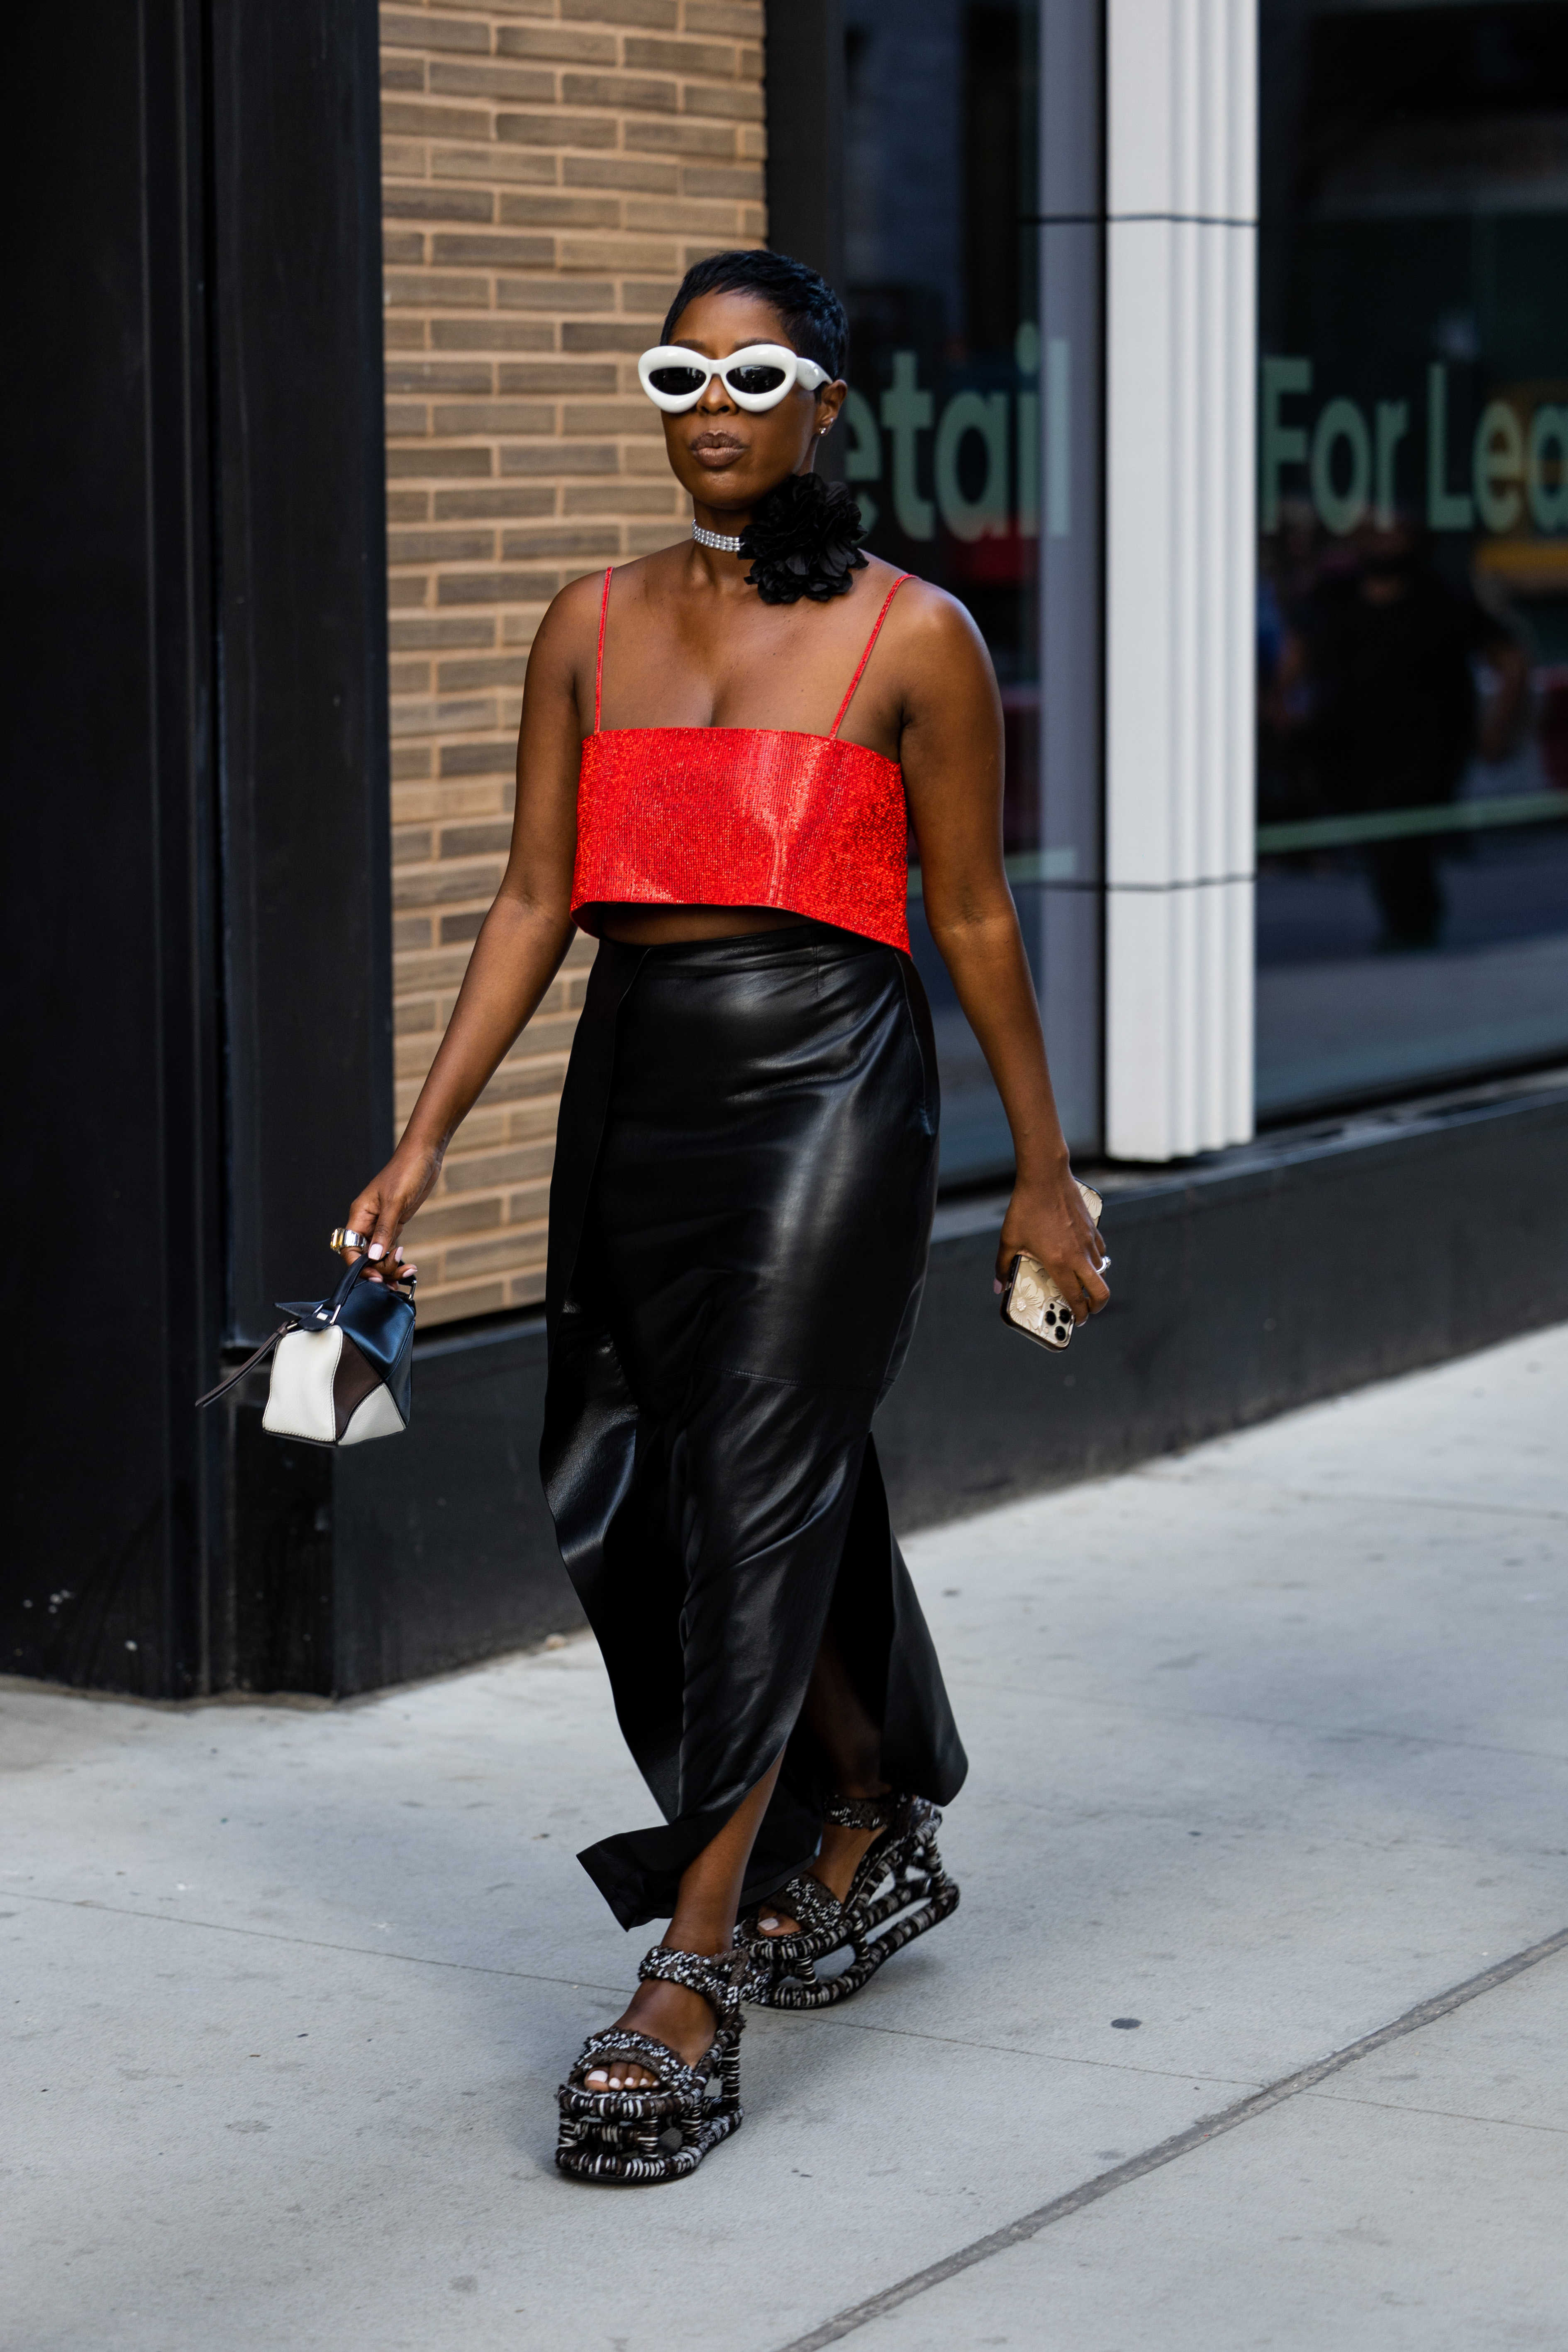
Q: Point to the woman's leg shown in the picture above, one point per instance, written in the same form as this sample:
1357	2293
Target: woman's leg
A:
704	1922
851	1739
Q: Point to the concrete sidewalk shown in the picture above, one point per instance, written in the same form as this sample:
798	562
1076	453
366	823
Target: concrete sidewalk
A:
1268	1750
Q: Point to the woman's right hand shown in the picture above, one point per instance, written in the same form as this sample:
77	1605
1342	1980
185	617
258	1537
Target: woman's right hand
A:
1050	1219
382	1209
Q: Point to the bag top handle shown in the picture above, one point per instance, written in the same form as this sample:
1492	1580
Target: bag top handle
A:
351	1275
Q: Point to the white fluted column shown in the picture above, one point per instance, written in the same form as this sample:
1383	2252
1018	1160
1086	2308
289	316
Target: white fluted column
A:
1181	179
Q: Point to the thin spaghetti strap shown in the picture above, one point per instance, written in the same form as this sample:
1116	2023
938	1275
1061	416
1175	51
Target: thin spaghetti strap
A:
599	664
876	632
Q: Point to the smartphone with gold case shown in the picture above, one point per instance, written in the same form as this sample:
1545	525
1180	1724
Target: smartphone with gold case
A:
1031	1302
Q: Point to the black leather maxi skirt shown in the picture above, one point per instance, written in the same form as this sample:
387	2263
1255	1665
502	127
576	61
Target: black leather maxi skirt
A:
740	1215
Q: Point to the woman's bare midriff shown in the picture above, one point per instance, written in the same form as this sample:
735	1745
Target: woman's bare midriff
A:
659	927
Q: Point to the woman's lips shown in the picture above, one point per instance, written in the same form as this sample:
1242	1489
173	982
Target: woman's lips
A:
715	450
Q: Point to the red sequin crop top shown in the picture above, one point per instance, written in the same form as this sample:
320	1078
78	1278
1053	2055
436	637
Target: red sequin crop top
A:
744	816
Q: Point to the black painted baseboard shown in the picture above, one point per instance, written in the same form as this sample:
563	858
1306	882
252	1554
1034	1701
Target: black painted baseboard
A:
456	1559
1245	1283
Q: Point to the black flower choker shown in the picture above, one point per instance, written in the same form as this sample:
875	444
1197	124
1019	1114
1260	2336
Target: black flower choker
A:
803	540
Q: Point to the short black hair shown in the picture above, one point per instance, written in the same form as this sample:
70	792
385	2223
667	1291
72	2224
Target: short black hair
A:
809	310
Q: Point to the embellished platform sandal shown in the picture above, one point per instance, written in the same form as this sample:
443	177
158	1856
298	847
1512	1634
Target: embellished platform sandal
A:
899	1878
664	2132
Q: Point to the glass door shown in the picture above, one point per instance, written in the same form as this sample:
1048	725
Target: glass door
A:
1412	609
957	427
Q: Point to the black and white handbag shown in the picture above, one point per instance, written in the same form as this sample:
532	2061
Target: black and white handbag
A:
345	1366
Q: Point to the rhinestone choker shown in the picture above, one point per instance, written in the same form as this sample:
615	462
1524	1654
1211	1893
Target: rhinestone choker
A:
723	540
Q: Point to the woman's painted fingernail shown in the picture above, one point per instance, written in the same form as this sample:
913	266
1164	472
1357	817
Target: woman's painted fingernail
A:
995	1288
377	1250
398	1255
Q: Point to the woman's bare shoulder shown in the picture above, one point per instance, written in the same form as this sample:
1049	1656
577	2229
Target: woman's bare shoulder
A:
572	612
931	634
566	640
930	609
575	610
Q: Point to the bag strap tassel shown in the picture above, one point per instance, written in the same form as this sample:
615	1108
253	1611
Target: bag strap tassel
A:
223	1388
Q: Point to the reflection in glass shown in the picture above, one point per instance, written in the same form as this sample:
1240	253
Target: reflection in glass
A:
1413	598
945	417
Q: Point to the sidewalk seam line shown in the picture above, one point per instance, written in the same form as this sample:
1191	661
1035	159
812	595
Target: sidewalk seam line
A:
1044	2057
1442	2115
1208	2127
588	1984
1167	1714
1151	1472
306	1943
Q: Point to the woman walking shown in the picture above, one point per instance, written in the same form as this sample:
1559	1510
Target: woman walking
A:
723	748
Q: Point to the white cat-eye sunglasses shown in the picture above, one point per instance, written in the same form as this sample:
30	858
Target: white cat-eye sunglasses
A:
756	378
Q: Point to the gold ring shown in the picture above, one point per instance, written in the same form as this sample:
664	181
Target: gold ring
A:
344	1239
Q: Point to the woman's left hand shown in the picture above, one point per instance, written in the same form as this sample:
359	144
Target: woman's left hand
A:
395	1274
394	1271
1049	1218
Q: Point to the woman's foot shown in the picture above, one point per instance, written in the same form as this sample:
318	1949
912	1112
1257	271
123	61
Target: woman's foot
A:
842	1852
682	2021
879	1883
639	2108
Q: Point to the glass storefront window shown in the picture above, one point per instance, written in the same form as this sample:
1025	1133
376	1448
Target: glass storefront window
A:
1413	614
945	417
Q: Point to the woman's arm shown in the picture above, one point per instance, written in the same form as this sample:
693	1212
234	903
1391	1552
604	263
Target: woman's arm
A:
952	752
525	935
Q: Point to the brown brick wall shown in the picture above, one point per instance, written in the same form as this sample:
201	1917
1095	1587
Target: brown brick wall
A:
550	167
